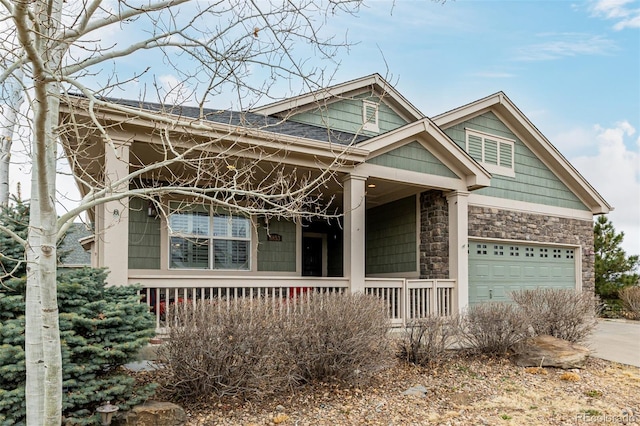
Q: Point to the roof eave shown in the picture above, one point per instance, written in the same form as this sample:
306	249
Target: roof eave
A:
503	105
374	80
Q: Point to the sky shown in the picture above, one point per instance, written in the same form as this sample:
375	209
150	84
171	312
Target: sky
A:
572	67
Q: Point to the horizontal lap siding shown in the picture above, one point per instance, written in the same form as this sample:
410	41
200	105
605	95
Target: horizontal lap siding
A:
391	237
533	181
413	157
346	115
144	236
277	256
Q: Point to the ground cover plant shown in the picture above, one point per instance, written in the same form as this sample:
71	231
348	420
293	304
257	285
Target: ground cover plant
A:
101	329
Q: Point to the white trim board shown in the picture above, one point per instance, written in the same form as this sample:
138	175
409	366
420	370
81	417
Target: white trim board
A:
526	207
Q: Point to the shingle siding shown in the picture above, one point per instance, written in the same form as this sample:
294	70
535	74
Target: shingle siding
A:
533	182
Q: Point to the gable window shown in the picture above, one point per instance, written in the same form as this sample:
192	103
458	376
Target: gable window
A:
496	154
370	116
200	238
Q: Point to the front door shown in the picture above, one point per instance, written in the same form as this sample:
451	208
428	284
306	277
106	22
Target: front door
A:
311	256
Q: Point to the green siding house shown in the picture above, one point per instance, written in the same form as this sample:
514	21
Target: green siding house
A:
430	213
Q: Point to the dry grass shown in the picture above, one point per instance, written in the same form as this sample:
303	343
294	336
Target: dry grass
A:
473	390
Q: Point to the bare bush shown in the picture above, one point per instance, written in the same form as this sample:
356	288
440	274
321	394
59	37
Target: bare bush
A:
256	348
217	349
630	297
426	340
493	328
566	314
341	336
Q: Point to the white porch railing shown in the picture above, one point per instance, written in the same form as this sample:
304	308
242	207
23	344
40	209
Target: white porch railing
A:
411	299
405	299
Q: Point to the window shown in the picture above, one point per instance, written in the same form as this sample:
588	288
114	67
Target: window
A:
203	239
496	154
370	116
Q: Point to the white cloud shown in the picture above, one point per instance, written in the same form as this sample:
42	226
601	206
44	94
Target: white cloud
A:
560	45
625	13
615	172
173	91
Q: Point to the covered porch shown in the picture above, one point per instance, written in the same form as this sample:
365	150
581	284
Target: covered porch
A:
400	231
405	299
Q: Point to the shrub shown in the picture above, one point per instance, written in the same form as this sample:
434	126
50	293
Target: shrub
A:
255	348
493	328
426	340
630	297
340	336
226	350
100	329
566	314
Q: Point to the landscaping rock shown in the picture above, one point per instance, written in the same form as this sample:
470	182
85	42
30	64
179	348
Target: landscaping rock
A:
548	351
153	413
419	391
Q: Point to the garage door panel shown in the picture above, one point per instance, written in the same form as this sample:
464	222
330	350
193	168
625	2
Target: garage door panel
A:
497	269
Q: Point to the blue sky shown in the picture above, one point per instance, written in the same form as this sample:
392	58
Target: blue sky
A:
572	67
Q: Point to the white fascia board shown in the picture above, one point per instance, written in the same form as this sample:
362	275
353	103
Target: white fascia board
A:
453	117
526	207
564	167
309	100
410	177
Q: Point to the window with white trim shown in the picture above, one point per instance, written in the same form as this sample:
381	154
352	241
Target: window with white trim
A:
496	154
370	116
200	238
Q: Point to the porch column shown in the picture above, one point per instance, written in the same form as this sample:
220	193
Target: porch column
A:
112	230
458	244
354	231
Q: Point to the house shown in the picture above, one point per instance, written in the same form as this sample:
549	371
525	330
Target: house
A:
436	213
71	252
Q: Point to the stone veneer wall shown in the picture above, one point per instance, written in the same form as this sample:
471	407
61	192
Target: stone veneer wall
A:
505	224
499	224
434	236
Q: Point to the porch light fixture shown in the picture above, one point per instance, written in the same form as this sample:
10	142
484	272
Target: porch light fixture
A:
106	412
371	185
152	207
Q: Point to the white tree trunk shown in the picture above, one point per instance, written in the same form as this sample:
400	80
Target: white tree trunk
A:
10	101
42	305
45	383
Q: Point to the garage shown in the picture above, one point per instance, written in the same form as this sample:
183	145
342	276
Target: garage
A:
498	268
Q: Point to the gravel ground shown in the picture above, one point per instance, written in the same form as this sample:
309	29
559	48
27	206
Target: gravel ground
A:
463	391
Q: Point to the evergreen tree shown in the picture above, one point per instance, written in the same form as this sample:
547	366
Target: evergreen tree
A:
16	219
101	329
614	269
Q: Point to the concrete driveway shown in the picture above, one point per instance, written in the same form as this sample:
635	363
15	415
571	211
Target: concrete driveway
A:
617	340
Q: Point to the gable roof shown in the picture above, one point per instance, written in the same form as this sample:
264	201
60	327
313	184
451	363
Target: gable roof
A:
373	82
447	151
512	117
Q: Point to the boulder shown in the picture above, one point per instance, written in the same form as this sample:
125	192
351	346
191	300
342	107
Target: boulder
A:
549	351
153	413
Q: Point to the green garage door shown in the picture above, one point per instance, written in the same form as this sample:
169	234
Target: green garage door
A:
496	269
